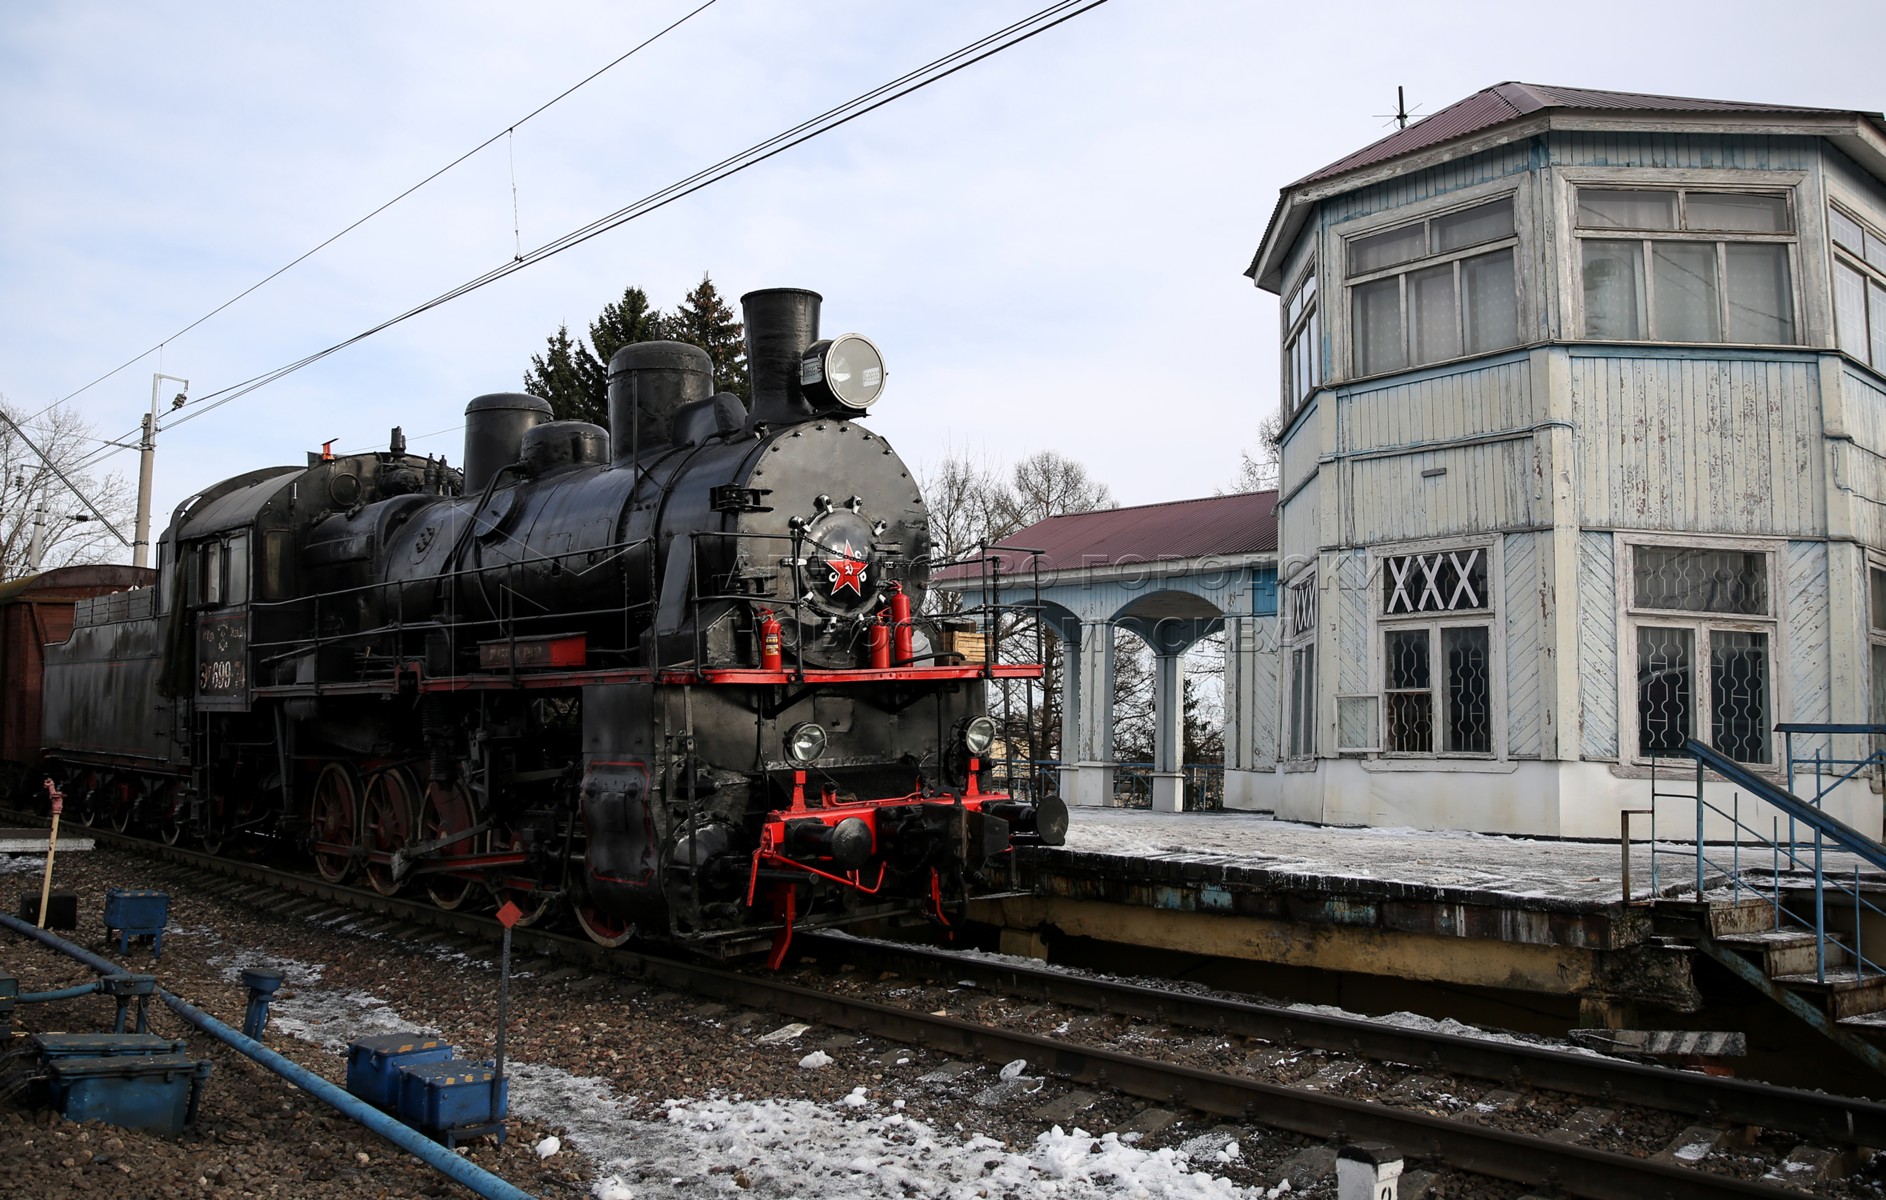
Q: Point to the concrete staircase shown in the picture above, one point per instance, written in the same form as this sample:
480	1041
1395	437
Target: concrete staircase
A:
1852	1006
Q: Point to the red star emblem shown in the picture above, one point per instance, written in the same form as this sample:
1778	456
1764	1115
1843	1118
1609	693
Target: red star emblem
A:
847	572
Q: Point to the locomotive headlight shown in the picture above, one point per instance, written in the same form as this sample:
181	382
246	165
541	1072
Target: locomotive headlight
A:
805	741
978	736
846	372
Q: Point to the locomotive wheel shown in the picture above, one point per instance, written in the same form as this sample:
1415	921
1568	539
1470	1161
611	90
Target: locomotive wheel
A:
388	819
214	828
534	902
122	800
603	928
334	822
83	796
447	810
167	812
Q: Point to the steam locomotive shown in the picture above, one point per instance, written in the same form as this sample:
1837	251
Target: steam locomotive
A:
670	677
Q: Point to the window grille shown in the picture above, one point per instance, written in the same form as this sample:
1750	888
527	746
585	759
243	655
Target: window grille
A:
1704	677
1699	580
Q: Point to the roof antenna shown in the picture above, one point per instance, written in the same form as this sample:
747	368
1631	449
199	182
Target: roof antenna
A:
1401	114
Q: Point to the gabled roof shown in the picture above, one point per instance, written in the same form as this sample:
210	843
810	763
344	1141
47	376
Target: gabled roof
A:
1244	523
1504	104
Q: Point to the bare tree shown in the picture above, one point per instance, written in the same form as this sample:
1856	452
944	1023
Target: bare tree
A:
1258	472
30	487
1046	484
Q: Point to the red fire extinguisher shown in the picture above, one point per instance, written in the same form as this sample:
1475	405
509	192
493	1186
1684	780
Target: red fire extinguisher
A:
878	641
769	641
900	624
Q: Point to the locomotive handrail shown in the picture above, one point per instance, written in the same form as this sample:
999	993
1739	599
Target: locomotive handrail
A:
294	647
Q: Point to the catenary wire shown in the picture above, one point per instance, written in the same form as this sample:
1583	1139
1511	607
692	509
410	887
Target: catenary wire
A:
1006	38
505	132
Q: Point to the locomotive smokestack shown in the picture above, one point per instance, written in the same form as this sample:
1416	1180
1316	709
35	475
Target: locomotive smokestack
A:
648	381
494	433
781	323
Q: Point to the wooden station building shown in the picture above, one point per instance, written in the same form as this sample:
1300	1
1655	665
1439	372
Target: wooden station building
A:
1584	453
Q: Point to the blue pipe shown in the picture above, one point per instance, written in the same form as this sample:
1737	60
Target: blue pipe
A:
104	966
446	1162
70	993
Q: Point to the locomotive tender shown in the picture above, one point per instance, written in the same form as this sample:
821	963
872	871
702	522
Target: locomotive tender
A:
665	675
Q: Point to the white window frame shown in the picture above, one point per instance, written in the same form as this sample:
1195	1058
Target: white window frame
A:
1770	183
1424	215
1302	328
1873	614
1632	618
1450	553
1300	612
1873	277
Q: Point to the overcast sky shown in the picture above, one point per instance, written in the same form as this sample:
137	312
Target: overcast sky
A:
1047	246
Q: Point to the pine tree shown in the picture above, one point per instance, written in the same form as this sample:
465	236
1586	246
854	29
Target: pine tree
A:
554	376
703	319
627	320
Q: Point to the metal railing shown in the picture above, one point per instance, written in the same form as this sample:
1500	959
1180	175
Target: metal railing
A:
1132	782
1810	833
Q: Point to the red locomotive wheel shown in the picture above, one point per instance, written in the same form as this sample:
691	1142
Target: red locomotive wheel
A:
603	928
85	797
167	812
514	887
388	820
122	799
447	811
334	822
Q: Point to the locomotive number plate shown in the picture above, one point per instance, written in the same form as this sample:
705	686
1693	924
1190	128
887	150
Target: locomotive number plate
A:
222	661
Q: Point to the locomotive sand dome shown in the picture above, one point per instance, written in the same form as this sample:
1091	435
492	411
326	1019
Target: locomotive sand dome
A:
666	675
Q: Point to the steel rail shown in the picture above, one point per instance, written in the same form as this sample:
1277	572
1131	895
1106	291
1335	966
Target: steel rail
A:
1843	1119
1520	1158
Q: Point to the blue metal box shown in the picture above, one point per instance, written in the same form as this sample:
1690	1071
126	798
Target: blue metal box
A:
137	913
157	1093
103	1045
440	1096
9	988
373	1064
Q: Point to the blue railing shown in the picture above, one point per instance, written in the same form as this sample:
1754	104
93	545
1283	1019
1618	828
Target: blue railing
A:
1794	852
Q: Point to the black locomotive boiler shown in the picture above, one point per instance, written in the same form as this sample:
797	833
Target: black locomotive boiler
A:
666	676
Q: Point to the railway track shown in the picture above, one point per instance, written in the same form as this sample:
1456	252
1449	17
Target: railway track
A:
1310	1108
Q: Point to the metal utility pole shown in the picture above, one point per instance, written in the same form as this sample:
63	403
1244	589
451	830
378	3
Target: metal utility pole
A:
141	546
36	547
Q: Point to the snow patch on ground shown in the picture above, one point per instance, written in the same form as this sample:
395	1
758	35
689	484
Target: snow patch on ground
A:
20	864
858	1149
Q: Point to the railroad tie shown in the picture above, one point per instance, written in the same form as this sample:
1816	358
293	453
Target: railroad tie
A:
1498	1100
1808	1165
1581	1125
1691	1146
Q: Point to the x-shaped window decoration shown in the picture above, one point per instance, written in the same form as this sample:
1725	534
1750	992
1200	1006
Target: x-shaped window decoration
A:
1302	608
1445	582
1464	573
1399	569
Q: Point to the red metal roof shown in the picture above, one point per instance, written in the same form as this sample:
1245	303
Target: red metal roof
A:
1213	526
1505	102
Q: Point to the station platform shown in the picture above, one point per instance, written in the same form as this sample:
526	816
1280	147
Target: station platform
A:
1528	933
33	841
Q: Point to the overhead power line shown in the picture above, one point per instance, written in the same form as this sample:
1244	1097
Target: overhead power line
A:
502	133
913	81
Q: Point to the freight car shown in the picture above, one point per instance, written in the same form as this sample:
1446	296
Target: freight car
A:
35	610
670	677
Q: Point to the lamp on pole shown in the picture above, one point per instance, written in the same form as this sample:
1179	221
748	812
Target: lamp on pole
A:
141	545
